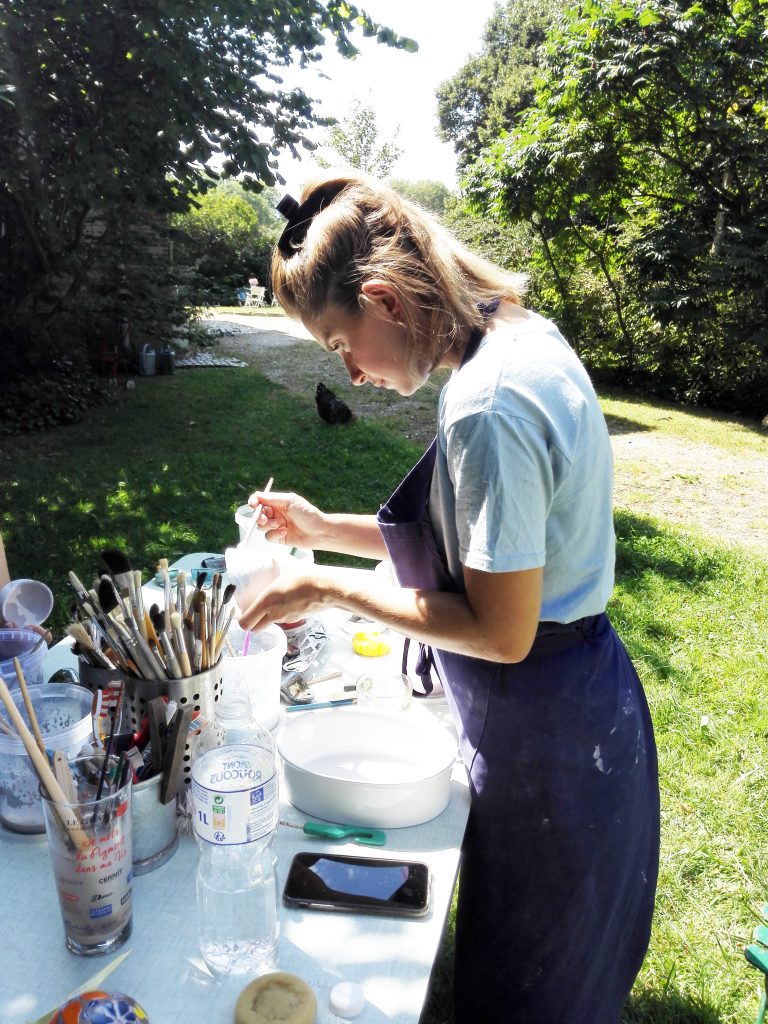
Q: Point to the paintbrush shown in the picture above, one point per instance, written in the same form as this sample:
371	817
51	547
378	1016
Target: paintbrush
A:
92	653
171	662
110	742
221	637
139	604
181	593
226	598
162	566
121	572
189	636
109	598
181	647
200	609
28	705
256	514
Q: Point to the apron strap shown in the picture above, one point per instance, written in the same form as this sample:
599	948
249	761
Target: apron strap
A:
423	668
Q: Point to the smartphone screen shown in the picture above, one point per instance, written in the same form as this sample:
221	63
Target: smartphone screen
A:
366	885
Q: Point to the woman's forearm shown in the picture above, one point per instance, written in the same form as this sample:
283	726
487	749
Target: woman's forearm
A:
496	621
352	535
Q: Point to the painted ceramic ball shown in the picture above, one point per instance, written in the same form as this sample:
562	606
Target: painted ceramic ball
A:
100	1008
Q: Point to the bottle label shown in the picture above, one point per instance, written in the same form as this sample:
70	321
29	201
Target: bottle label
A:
235	795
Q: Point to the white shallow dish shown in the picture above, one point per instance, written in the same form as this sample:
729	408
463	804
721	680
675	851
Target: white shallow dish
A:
372	768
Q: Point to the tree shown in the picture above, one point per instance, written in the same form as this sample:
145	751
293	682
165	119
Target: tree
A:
644	161
224	239
482	99
111	112
431	195
356	140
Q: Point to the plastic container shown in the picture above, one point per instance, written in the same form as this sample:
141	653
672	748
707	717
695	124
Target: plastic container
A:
19	643
25	603
147	361
63	712
251	569
166	360
235	816
284	555
257	670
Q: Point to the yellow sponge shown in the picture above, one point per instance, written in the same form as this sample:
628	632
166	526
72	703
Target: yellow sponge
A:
371	644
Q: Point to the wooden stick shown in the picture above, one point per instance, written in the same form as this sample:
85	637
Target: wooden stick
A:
30	710
44	772
321	679
5	727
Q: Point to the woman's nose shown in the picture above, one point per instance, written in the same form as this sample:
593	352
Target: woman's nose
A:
356	375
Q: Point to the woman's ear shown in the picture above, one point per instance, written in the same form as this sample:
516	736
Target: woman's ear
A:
386	300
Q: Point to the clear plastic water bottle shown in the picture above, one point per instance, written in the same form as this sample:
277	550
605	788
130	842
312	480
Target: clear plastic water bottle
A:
235	812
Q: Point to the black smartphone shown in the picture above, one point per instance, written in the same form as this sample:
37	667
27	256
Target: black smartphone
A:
361	885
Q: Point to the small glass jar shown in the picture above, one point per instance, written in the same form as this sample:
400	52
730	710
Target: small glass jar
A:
384	691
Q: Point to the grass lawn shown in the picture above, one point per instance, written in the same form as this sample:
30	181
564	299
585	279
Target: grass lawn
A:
162	471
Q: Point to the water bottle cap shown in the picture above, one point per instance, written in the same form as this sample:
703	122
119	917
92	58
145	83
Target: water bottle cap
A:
347	999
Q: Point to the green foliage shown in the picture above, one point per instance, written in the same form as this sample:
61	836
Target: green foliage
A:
642	163
430	195
57	393
111	117
355	140
482	99
224	239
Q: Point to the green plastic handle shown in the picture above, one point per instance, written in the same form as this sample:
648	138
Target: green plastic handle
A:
365	836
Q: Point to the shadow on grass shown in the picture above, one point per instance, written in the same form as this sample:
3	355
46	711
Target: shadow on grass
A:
624	425
733	419
163	472
658	572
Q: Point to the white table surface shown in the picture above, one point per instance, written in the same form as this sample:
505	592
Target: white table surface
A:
390	958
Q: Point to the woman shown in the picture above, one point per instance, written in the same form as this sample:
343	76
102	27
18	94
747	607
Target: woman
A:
502	542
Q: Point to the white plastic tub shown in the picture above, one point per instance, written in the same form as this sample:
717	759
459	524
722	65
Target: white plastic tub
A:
371	768
63	712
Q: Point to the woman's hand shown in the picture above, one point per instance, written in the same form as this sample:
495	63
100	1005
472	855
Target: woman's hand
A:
288	518
290	597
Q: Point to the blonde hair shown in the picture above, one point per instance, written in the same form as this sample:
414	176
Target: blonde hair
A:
368	232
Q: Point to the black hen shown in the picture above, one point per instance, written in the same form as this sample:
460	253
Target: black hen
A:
331	408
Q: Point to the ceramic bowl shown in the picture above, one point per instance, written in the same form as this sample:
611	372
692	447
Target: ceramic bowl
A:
378	769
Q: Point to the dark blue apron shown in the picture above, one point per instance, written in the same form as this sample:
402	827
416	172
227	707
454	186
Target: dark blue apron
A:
560	856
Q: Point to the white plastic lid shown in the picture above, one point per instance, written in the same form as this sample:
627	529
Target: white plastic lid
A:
347	999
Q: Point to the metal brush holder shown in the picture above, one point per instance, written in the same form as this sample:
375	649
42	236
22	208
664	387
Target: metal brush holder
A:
202	691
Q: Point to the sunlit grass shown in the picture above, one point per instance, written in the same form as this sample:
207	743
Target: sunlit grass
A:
731	433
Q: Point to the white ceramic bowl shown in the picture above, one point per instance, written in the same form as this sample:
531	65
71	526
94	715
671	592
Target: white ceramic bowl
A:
372	768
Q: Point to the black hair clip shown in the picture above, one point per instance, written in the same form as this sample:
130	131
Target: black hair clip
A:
299	216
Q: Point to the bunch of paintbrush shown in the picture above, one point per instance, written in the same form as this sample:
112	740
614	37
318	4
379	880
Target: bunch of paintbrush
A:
113	630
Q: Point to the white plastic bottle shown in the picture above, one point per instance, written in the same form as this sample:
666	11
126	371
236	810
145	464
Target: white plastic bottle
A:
235	812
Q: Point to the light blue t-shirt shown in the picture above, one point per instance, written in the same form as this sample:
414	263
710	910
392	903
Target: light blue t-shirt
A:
524	470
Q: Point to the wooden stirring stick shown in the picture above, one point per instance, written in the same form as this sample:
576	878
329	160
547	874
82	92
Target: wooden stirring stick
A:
30	710
43	770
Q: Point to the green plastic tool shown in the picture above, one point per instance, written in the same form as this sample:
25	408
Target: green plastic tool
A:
365	836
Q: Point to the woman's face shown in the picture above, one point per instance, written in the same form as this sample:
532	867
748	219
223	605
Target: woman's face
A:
372	344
